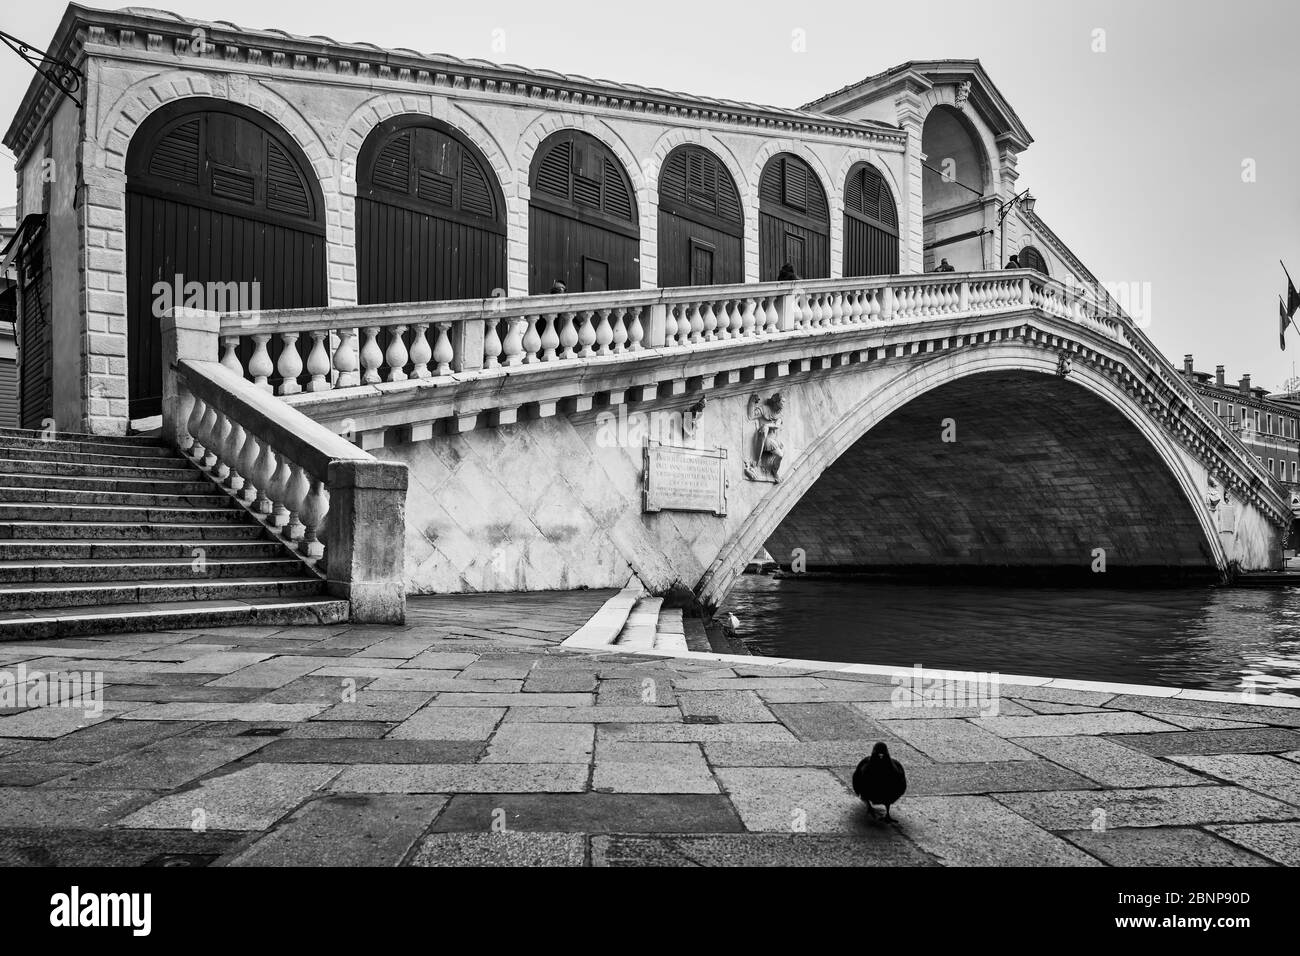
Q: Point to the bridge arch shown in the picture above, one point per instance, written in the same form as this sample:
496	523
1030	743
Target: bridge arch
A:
1195	535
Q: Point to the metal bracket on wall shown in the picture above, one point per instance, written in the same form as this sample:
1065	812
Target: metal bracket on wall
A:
65	77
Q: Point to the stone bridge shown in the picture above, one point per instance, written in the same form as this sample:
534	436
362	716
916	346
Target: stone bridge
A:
962	422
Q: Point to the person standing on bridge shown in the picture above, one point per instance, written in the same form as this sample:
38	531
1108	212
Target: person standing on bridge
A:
945	266
1013	262
787	274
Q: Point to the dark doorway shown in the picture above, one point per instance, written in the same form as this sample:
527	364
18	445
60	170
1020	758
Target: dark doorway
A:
701	222
216	193
582	217
870	224
1031	258
431	218
794	220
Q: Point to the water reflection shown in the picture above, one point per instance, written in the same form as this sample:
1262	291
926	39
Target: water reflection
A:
1208	638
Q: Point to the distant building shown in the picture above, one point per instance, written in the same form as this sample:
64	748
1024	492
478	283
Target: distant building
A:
8	319
1268	425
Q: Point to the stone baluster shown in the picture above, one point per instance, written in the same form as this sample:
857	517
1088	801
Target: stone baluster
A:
604	333
206	436
696	322
318	363
442	351
262	476
550	338
395	355
297	490
513	348
279	489
230	354
191	445
314	508
635	331
586	334
345	359
491	344
249	452
708	322
290	365
772	322
232	443
748	321
371	356
421	351
619	331
568	336
259	365
532	339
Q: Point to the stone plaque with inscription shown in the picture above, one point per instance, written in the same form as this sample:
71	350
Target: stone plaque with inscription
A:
679	478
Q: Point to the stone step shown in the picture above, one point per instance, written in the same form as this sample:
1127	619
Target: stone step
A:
137	551
87	446
126	531
670	631
121	513
148	441
46	453
36	466
639	631
82	570
56	622
146	486
27	596
213	499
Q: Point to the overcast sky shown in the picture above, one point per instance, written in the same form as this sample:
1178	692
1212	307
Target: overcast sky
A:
1138	152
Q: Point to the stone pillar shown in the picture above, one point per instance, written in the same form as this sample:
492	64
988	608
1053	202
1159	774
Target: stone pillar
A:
1007	237
191	335
365	531
911	117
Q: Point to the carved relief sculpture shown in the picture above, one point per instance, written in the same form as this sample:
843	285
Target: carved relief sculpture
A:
763	446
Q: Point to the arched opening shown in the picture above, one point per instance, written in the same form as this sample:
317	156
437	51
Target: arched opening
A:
954	192
870	224
583	228
701	222
431	216
794	220
1001	472
1031	258
216	194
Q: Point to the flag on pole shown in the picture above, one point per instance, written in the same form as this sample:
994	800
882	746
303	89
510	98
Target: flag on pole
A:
1284	318
1292	296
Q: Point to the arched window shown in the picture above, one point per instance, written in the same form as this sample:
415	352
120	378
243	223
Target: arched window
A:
220	195
794	220
583	228
1031	258
870	224
701	221
431	219
954	183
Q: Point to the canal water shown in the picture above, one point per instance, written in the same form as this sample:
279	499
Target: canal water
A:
1203	637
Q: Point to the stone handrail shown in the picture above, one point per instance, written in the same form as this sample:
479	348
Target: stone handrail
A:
431	340
338	508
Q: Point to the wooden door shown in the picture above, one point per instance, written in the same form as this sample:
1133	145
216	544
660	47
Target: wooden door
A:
701	222
793	220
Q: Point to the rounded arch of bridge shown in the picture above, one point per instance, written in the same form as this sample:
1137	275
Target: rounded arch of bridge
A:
531	139
812	461
945	97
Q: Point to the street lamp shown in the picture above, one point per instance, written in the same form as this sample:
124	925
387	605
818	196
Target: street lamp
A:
1004	209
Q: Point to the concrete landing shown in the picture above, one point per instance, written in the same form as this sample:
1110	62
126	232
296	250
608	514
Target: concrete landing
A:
469	736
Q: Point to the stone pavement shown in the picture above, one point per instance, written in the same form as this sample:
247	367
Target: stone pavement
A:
468	736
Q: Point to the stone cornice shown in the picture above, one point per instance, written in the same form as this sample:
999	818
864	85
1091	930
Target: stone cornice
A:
228	47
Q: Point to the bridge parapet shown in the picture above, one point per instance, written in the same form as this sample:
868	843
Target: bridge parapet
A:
439	342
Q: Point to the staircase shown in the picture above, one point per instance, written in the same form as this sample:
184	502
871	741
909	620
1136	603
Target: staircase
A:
102	535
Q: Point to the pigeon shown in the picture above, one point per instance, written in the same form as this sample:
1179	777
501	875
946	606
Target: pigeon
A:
879	779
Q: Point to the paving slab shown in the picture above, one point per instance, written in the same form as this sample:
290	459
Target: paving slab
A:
463	778
1279	842
1263	773
590	813
669	732
558	743
650	690
346	830
827	721
883	846
626	767
1152	807
1008	776
269	674
249	799
346	750
957	741
166	765
1056	725
1108	763
1162	846
386	705
977	831
65	807
97	848
792	800
1266	740
508	848
449	723
726	706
